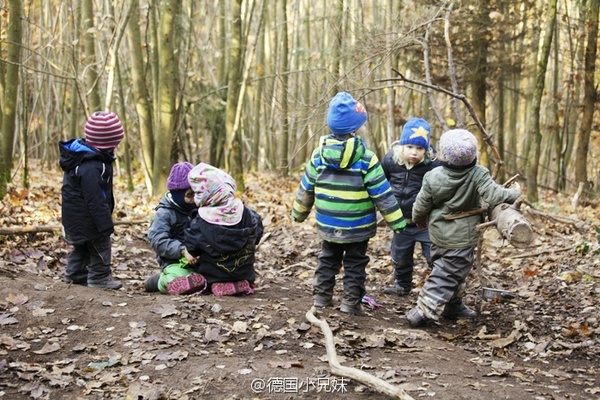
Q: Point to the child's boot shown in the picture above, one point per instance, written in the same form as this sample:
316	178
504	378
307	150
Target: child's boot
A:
397	290
321	300
456	309
416	318
151	284
106	283
402	281
352	307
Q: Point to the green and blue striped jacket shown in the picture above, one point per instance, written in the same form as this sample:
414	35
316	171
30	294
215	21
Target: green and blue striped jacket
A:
345	182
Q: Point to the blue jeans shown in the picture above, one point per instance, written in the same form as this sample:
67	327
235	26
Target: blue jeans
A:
354	258
90	262
403	248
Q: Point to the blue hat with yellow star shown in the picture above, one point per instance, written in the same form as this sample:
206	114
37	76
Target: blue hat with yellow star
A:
416	131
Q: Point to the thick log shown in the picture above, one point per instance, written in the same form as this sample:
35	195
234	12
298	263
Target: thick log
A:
512	225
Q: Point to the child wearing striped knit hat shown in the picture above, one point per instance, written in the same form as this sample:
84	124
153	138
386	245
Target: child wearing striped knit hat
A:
88	201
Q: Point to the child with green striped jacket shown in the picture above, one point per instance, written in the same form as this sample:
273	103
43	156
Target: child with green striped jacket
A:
346	183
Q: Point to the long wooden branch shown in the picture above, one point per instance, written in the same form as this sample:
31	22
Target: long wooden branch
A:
23	230
360	376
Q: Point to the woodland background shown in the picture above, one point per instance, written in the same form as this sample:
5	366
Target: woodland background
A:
244	84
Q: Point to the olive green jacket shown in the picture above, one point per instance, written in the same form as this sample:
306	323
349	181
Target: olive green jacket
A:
448	190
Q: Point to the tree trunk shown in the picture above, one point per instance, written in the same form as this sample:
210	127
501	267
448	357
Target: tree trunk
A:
533	130
589	97
285	117
89	44
391	93
233	146
113	53
140	96
479	75
167	70
11	90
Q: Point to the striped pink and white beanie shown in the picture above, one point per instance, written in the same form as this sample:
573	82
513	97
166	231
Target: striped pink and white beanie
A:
103	130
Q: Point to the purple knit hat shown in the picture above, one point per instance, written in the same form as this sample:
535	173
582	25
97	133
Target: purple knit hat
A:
458	147
178	177
103	130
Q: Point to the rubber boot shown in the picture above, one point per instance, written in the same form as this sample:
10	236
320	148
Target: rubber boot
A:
456	309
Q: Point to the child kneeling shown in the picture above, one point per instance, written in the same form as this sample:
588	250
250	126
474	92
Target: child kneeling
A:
222	240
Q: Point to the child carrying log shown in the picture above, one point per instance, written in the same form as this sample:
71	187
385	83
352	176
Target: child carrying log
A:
458	185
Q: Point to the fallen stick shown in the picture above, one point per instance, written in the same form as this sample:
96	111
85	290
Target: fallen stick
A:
348	372
539	253
22	230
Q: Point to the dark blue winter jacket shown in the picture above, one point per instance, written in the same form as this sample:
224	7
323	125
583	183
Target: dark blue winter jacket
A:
87	191
226	253
405	182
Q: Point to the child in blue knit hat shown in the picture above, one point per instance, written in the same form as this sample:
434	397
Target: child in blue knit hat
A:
345	183
408	160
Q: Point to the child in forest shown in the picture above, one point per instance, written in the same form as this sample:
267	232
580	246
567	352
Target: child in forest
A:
221	240
405	165
88	201
458	185
174	214
345	182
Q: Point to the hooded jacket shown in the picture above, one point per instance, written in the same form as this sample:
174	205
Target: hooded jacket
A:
87	191
447	190
345	182
225	253
167	231
405	182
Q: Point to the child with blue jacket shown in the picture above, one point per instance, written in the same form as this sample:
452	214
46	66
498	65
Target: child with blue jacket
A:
88	201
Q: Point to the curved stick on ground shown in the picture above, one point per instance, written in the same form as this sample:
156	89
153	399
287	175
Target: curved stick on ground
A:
348	372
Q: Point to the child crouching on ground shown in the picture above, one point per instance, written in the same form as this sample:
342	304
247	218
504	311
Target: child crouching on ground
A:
174	213
222	240
459	185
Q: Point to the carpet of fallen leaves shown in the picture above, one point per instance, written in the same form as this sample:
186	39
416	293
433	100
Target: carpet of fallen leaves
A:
59	341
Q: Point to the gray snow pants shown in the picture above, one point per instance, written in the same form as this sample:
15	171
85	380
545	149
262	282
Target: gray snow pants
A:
446	281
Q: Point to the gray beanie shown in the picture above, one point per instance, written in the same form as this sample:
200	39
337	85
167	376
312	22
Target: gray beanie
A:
458	147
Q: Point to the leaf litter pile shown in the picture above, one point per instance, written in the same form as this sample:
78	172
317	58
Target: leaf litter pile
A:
65	341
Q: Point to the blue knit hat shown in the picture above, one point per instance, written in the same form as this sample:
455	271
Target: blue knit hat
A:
345	114
416	131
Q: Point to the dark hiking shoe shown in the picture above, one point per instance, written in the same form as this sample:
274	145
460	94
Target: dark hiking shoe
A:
397	290
415	318
351	308
70	281
458	310
322	301
151	284
108	283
